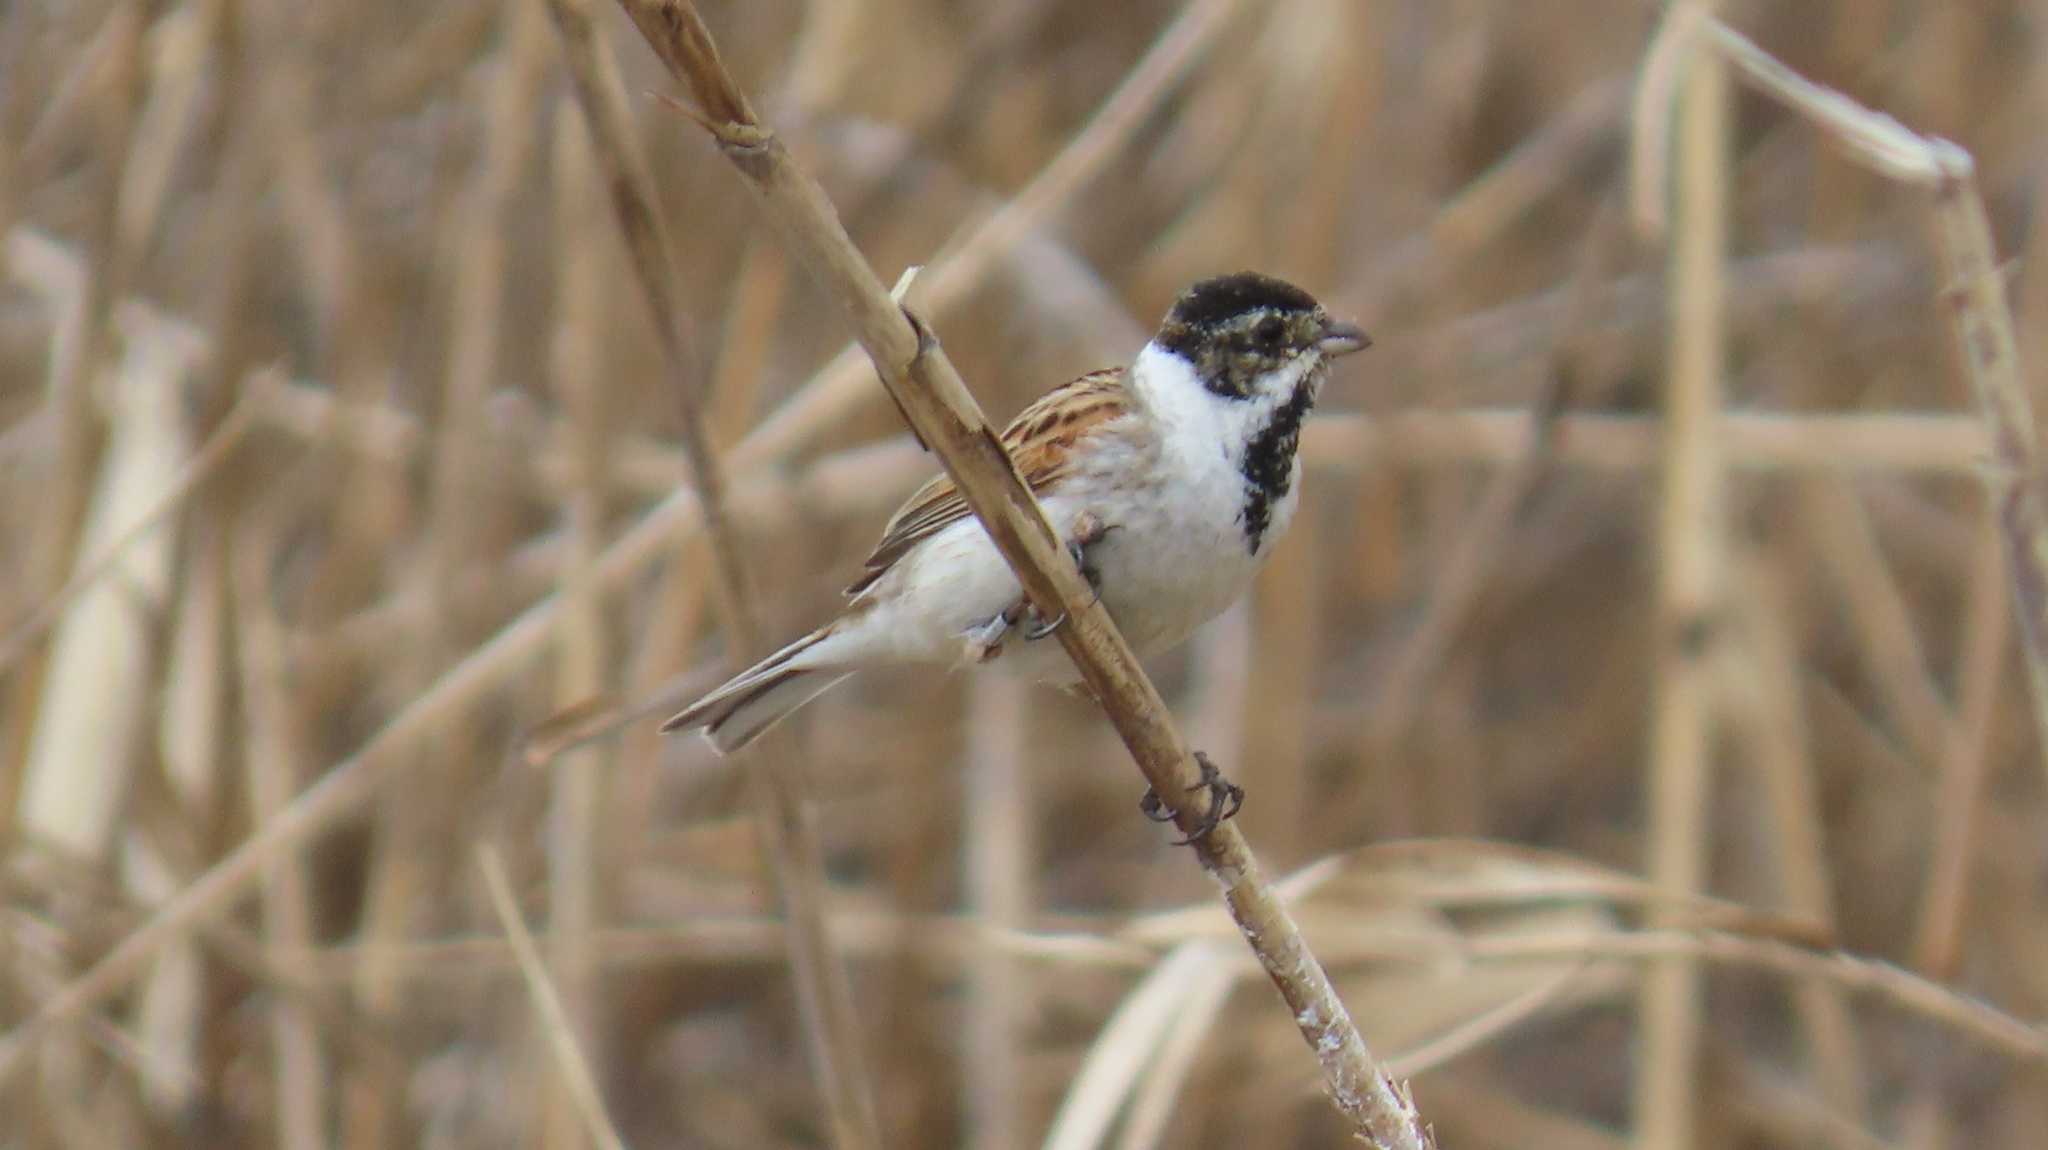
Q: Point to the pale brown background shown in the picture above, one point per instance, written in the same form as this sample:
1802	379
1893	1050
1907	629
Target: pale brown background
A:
361	251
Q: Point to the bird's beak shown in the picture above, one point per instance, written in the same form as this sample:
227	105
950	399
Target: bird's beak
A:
1340	338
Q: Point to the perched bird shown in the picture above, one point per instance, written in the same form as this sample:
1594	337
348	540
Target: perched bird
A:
1169	481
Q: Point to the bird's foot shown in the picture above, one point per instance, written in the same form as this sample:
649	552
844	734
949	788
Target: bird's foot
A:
1225	797
984	641
1089	530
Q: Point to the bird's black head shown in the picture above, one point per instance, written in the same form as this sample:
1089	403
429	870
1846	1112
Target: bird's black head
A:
1237	330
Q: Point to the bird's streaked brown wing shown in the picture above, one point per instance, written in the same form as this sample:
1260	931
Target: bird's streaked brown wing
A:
1041	440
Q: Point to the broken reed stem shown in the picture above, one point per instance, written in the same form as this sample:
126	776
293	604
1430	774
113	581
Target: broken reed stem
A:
824	994
945	416
201	466
1974	295
72	456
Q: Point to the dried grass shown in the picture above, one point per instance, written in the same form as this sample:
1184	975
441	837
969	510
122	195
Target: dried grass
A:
417	552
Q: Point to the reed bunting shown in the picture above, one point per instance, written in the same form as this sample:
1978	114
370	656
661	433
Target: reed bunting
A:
1169	481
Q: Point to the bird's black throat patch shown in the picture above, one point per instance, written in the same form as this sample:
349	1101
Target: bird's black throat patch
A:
1268	464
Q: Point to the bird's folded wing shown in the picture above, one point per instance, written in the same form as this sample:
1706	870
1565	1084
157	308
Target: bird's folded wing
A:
1040	441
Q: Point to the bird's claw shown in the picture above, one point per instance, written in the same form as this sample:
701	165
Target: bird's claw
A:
1225	799
1037	630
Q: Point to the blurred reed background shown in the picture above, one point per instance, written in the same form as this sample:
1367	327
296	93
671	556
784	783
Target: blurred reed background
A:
339	453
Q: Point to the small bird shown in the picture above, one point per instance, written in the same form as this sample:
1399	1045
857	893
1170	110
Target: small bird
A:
1168	481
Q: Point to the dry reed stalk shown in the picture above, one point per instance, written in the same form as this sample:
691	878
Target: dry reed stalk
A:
353	781
182	41
1903	990
406	75
554	1018
1691	554
1840	191
1779	1111
462	500
170	1012
461	483
602	96
109	556
580	779
199	675
1929	442
93	727
274	754
1000	842
1481	1110
1083	944
171	1009
679	617
1491	1024
97	64
1190	982
1937	944
1281	685
939	408
1965	763
1759	682
749	332
170	1015
71	456
344	788
1903	443
1156	1100
1316	146
1879	612
832	394
17	34
94	717
348	321
1975	299
824	994
1477	215
1766	443
1476	550
1541	692
318	225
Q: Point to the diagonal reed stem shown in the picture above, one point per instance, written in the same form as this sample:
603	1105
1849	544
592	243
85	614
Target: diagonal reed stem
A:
945	416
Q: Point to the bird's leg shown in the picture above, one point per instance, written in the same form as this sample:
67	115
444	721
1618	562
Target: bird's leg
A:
984	641
1225	797
1088	531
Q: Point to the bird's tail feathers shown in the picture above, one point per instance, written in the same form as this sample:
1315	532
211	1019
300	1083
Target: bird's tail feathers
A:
761	696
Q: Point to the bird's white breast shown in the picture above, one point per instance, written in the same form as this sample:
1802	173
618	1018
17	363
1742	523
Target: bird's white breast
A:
1179	556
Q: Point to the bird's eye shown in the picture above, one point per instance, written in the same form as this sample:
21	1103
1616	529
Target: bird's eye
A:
1270	331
